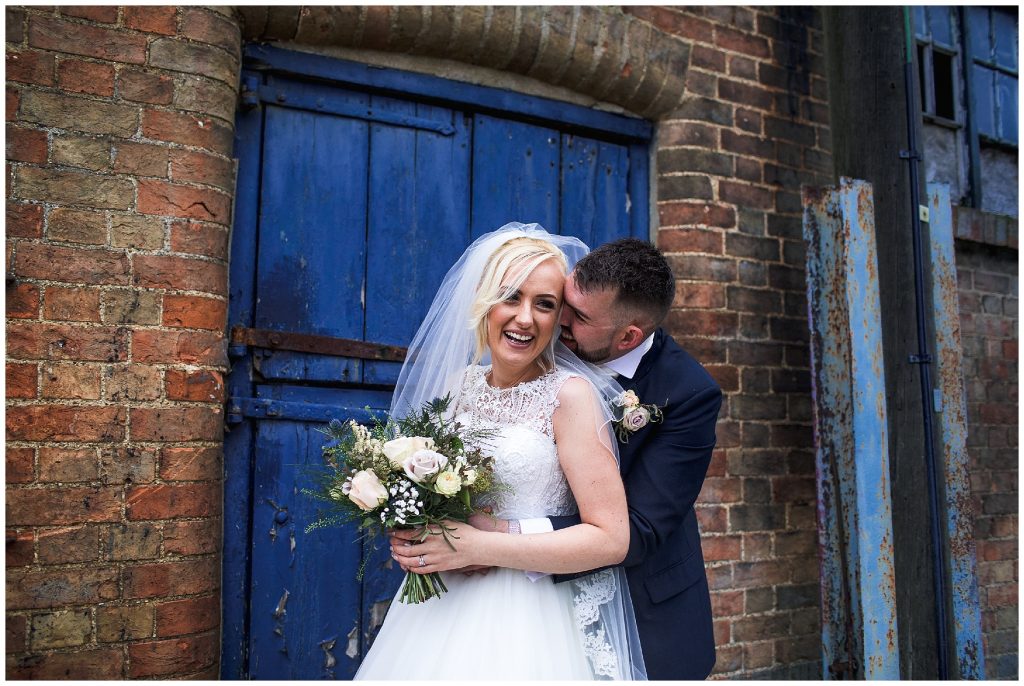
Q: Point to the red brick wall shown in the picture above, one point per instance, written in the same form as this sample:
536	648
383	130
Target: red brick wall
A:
119	185
731	160
987	279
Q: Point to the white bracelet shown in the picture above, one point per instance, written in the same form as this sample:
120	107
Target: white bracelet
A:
513	526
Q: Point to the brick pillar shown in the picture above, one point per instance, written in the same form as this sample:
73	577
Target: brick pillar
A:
752	128
987	279
119	191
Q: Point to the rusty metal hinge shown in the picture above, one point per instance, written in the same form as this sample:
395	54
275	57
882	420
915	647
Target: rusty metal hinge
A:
313	343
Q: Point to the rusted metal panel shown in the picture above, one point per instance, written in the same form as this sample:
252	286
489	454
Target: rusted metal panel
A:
952	410
859	633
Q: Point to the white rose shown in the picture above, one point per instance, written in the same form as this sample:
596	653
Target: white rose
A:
423	463
469	478
367	491
448	483
628	399
636	419
400	449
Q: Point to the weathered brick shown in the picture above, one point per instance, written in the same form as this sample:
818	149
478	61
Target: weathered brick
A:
131	306
86	77
22	300
207	97
141	159
77	226
69	545
141	86
177	424
124	623
67	464
62	506
198	386
200	167
127	464
187	129
193	312
690	240
72	264
136	231
744	94
44	341
76	113
701	295
684	187
106	14
131	542
696	160
26	145
188	202
61	423
16	629
30	66
12	103
695	214
187	616
52	588
14	24
192	537
19	465
173	656
81	39
132	382
193	58
163	20
82	152
161	271
60	629
204	348
24	221
164	579
199	238
73	188
71	381
101	663
702	268
191	463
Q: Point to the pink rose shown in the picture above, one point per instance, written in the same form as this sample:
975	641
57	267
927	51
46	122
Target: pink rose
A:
423	463
366	490
636	418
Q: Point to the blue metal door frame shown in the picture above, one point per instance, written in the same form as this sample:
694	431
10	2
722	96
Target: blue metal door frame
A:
262	65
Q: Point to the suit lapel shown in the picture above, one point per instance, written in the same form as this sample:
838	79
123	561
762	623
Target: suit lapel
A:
637	384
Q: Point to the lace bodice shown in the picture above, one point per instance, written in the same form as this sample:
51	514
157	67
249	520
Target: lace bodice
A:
522	442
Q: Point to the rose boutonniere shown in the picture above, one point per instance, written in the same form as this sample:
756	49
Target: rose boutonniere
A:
635	415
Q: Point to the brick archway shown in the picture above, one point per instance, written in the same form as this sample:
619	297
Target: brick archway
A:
608	55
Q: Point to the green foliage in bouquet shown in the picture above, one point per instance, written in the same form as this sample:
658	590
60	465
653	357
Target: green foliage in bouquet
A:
410	473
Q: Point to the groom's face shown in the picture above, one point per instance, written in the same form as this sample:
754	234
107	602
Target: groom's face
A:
589	326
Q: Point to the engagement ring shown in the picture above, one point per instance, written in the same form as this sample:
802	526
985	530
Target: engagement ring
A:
423	563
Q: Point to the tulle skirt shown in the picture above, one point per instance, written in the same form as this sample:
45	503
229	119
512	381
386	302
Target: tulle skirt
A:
500	626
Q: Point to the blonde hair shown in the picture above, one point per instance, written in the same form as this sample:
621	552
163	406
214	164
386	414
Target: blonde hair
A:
518	257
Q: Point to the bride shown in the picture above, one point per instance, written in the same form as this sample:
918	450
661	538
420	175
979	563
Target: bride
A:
547	420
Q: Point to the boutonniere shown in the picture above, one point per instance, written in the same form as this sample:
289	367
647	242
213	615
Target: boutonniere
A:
635	415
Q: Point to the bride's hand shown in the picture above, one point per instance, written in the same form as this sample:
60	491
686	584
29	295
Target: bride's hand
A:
435	553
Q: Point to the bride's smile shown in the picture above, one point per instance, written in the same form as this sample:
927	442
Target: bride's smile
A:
521	326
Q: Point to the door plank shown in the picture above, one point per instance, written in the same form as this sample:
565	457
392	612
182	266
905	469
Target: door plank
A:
515	174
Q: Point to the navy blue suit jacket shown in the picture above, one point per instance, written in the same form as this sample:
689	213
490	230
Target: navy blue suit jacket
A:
663	467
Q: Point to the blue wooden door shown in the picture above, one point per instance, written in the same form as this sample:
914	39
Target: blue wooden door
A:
354	198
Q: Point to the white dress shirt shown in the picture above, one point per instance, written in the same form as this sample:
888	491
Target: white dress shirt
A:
623	366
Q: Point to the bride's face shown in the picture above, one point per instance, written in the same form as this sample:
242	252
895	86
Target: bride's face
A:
520	327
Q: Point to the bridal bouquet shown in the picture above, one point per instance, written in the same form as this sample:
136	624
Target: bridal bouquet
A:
411	473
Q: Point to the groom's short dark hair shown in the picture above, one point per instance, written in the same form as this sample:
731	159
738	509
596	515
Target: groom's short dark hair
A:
637	269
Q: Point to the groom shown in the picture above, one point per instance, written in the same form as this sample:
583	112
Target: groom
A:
614	303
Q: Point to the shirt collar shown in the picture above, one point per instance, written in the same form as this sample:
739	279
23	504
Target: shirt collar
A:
627	364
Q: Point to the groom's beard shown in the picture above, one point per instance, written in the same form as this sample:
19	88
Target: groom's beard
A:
591	355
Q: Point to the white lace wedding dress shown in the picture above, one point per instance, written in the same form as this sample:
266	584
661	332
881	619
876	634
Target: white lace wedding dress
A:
503	625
